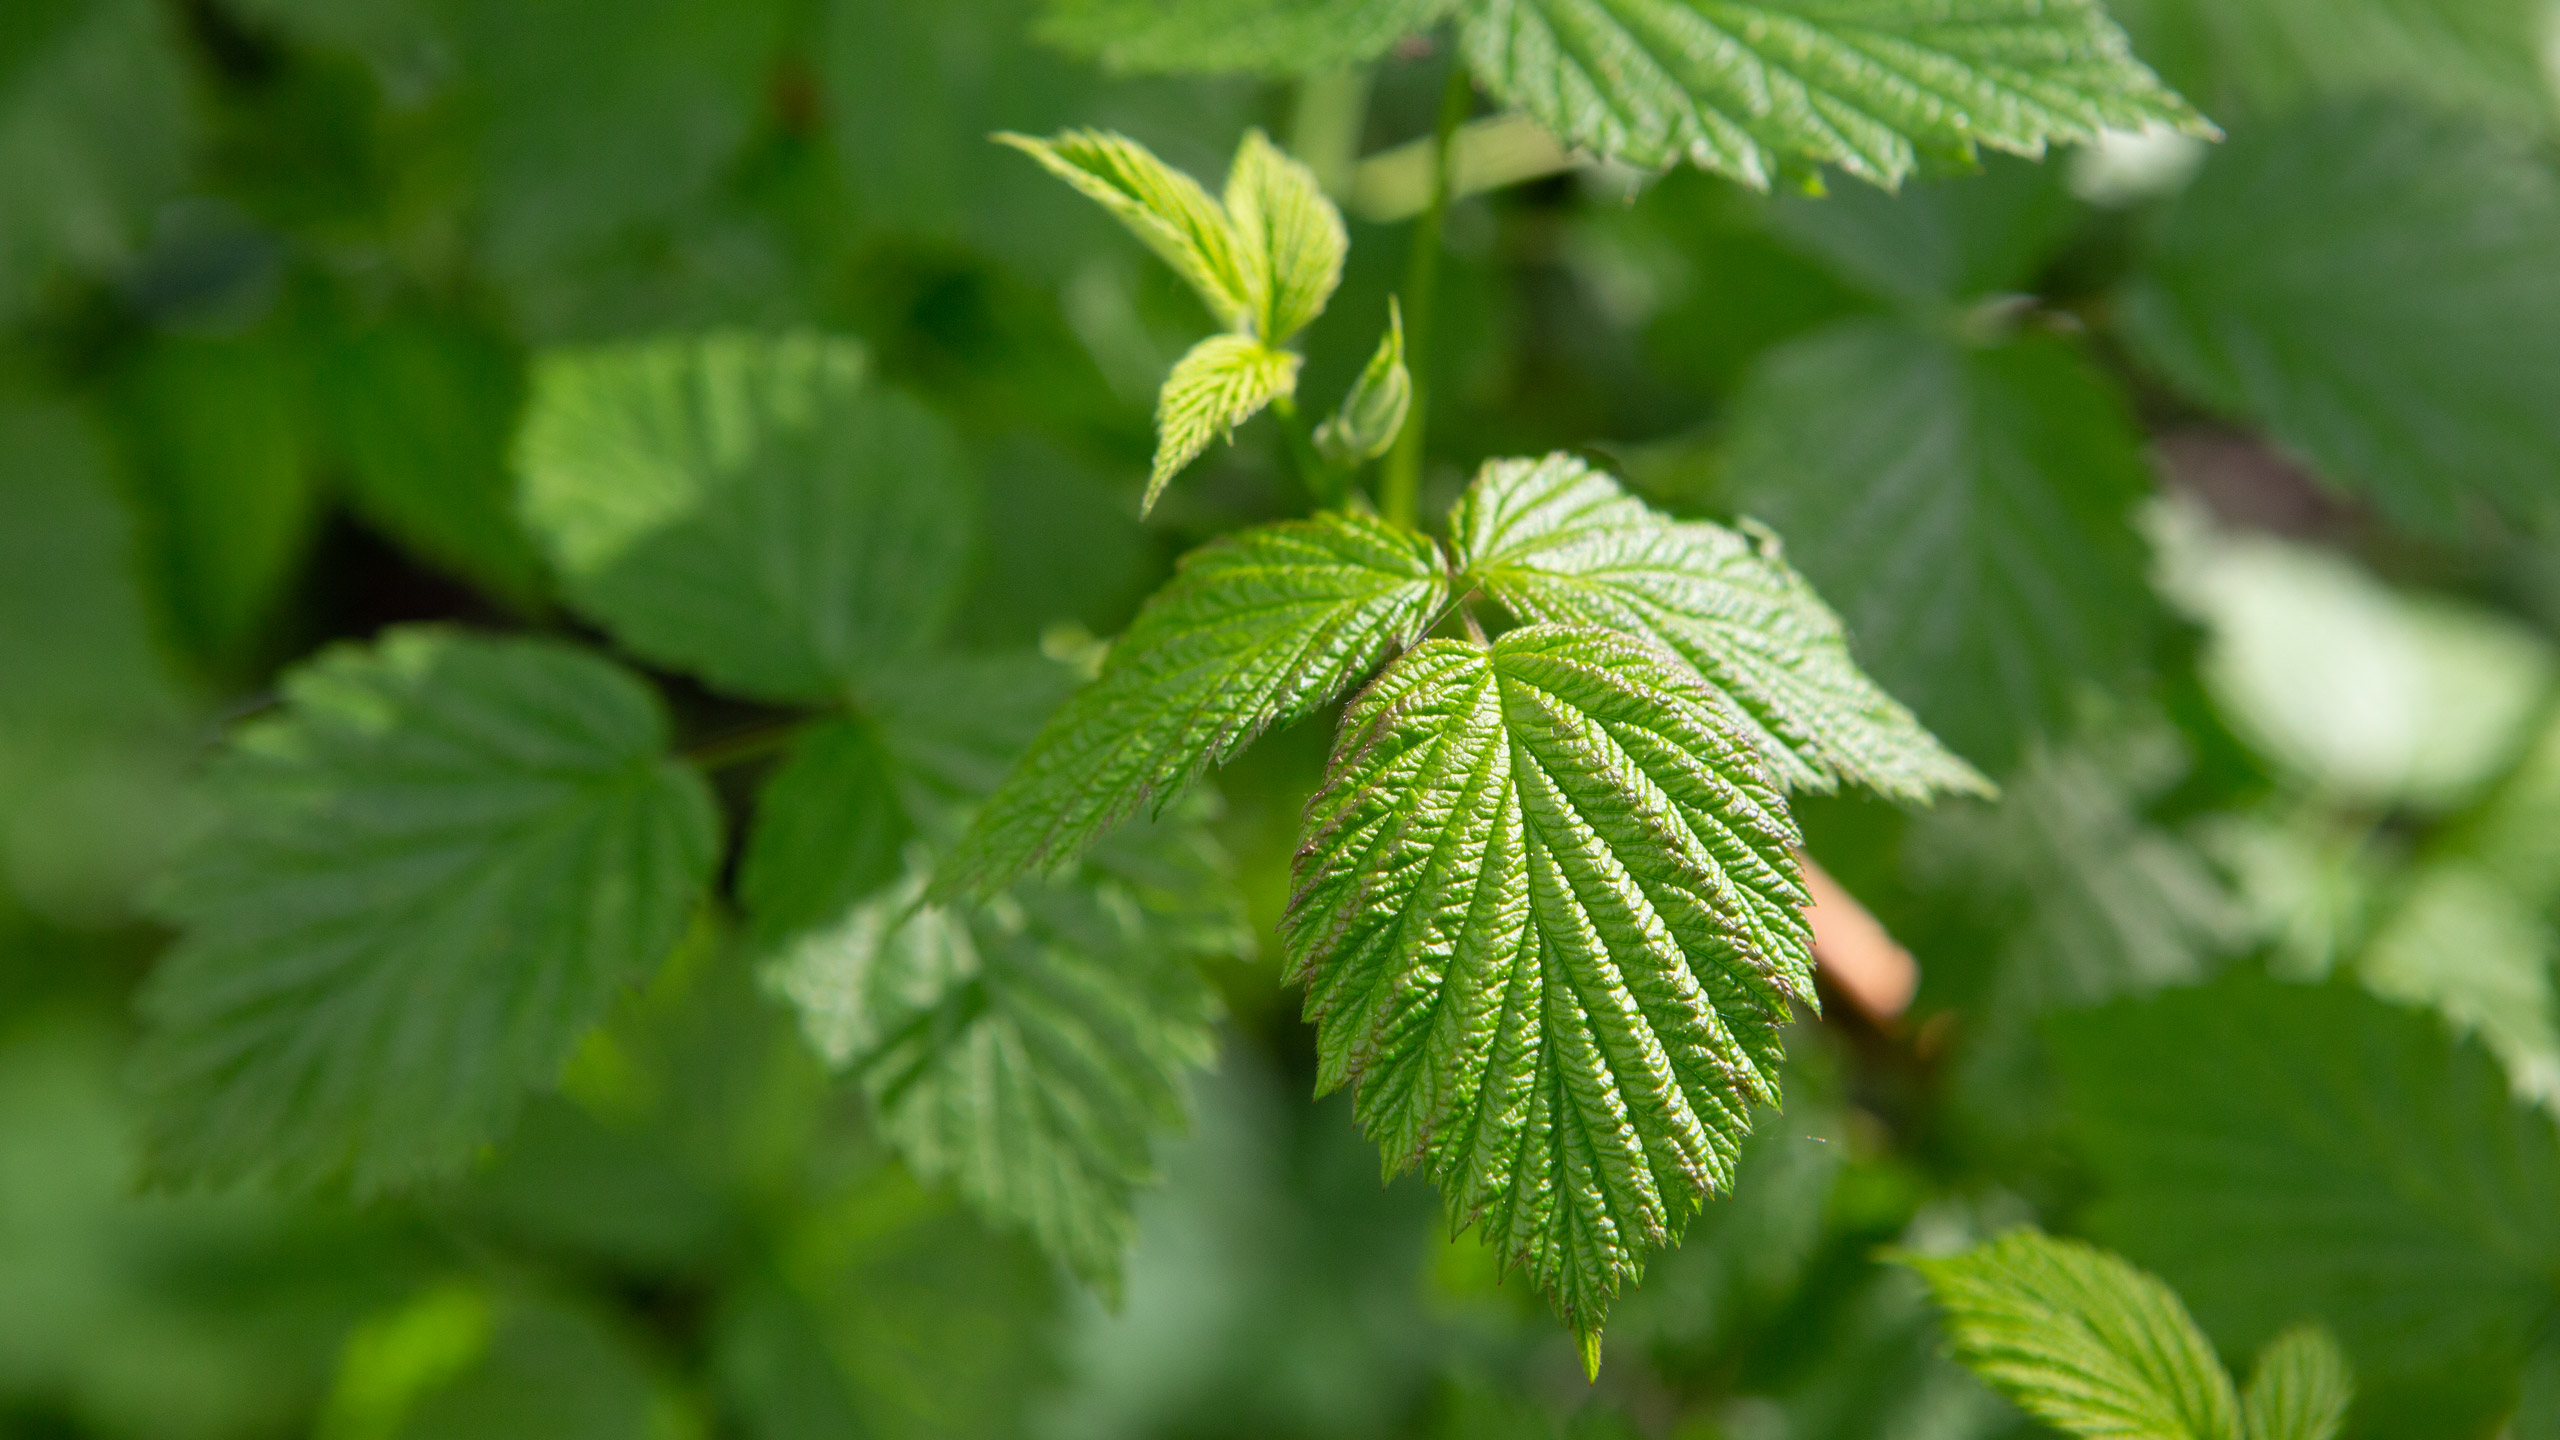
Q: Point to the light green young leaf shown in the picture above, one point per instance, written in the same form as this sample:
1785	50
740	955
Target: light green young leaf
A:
2301	1389
1256	629
1759	89
2379	287
1027	1050
1549	921
1373	413
1167	209
1289	238
1968	509
1269	37
1555	540
2082	1340
748	508
428	876
1224	381
2283	1151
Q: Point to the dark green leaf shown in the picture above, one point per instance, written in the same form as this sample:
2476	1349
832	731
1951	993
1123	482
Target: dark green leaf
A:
214	426
2082	1340
1968	510
421	409
748	508
1757	89
427	878
2282	1153
2378	287
594	115
1555	540
1271	37
829	829
2277	55
1257	629
834	821
94	129
1549	920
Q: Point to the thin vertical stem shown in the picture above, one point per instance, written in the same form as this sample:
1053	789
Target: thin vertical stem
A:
1400	490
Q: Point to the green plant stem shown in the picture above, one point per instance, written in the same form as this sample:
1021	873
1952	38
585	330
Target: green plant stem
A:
741	747
1399	491
1321	480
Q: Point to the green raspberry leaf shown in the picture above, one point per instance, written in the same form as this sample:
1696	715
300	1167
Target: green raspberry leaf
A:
2082	1340
834	821
1267	37
2302	1388
1549	921
748	508
1167	209
428	876
1027	1050
1555	540
1290	238
1256	629
1759	90
1970	511
2378	286
2288	1152
1224	381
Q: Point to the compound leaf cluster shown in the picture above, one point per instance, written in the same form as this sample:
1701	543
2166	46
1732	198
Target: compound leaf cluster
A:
1548	912
1265	259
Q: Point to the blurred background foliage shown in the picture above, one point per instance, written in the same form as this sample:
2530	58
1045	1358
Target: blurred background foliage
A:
2204	494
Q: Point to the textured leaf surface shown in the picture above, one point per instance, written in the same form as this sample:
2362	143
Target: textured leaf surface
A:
1549	921
2379	287
1372	412
1167	209
2301	1388
1756	90
1026	1050
747	508
1270	37
1967	509
1224	381
2289	1152
1289	237
1256	629
2082	1340
428	877
1555	540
